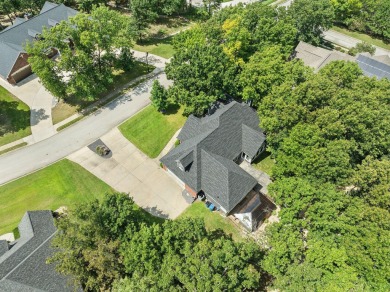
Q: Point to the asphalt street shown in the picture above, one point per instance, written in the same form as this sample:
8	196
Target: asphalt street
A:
29	159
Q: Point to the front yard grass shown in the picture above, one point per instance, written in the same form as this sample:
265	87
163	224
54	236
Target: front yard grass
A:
264	163
65	109
160	47
64	183
363	37
151	130
14	118
212	220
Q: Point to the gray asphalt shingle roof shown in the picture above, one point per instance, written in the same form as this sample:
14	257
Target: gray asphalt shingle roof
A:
15	37
23	267
209	145
3	247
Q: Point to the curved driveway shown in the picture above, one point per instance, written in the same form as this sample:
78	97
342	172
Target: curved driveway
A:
26	160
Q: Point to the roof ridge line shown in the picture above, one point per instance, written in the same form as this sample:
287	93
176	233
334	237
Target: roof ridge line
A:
27	20
38	247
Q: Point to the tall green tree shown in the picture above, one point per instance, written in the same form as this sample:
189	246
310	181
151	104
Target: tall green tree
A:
201	75
87	5
312	17
89	238
169	257
143	14
265	70
88	46
159	96
7	7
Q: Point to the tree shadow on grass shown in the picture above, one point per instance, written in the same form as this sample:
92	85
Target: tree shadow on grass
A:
172	109
156	40
12	119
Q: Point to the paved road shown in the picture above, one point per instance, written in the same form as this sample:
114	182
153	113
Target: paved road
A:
43	153
349	42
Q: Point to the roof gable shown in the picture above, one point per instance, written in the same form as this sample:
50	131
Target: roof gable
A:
13	39
204	159
23	267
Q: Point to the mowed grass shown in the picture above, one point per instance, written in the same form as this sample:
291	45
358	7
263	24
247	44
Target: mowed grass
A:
213	220
64	183
264	163
151	130
14	118
363	37
160	47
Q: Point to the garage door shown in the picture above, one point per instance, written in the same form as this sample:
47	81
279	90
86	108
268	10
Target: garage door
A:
178	180
21	73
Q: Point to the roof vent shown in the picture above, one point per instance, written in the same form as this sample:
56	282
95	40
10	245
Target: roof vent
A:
52	22
32	33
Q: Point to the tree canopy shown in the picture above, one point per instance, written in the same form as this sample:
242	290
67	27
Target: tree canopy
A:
89	45
115	244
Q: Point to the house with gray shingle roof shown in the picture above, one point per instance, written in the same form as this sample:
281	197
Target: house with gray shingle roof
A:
23	264
210	147
13	58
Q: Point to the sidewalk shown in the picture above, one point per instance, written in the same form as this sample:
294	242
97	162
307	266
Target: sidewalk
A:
40	101
349	42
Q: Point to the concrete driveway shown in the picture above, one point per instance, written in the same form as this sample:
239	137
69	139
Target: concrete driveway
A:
129	170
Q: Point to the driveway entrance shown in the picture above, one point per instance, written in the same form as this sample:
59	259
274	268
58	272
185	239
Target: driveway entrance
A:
131	171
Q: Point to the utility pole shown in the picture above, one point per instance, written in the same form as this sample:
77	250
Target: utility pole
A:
147	64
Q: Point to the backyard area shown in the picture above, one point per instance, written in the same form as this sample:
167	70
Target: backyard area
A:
64	183
264	163
14	118
151	130
158	46
213	220
65	109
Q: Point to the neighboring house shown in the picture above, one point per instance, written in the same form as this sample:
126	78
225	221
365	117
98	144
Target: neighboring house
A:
23	262
315	57
206	160
14	65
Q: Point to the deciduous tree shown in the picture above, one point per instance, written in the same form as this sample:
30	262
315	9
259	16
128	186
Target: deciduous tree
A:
88	46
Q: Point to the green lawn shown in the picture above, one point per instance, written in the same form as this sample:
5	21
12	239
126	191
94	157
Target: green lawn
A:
362	37
264	163
151	130
160	47
14	118
64	183
213	220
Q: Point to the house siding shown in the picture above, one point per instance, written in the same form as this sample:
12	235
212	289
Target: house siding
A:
190	191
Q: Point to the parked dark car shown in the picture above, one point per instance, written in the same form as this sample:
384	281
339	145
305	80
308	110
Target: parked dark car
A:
103	150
